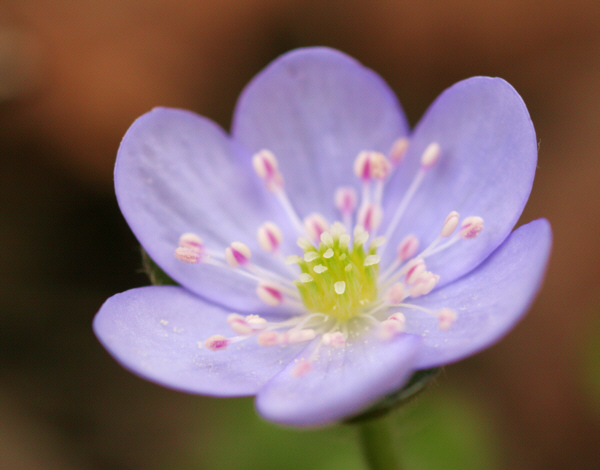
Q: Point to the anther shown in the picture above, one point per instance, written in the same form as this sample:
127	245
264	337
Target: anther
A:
398	151
335	339
268	338
310	256
237	254
303	368
328	254
315	225
239	324
471	227
370	216
269	237
424	284
265	165
269	294
371	260
294	336
188	255
362	166
450	224
320	269
408	248
431	155
397	293
305	278
415	269
392	326
371	165
327	239
446	318
345	200
217	343
191	240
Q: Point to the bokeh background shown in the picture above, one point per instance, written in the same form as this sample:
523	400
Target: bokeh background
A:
74	74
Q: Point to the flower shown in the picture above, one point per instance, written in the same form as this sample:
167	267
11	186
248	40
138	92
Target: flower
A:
324	252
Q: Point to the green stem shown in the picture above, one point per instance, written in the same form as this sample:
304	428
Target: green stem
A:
378	444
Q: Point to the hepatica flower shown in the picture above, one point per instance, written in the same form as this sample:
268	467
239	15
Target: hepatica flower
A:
323	251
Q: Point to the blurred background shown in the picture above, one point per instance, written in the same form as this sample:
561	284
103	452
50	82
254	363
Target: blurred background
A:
74	75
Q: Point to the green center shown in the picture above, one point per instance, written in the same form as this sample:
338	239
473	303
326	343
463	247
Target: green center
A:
338	278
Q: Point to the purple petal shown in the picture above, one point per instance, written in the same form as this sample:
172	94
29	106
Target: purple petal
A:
341	383
157	333
316	109
177	172
487	164
489	301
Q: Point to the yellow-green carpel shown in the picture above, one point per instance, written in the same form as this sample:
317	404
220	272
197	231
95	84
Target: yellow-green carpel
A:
338	278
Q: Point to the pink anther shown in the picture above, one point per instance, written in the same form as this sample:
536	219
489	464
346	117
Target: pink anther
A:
239	324
191	240
335	339
397	293
315	225
408	248
269	294
450	224
188	255
269	237
398	151
217	343
237	254
265	165
415	269
471	227
294	336
424	284
446	318
302	368
370	216
346	200
371	165
269	338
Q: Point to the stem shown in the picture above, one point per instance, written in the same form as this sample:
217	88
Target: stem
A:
378	445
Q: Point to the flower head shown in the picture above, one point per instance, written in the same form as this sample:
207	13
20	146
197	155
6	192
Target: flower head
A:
324	252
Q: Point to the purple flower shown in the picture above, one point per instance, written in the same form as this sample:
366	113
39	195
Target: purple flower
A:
319	318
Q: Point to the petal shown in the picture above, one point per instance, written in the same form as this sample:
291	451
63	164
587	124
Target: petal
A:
486	169
489	301
341	382
177	172
157	333
316	109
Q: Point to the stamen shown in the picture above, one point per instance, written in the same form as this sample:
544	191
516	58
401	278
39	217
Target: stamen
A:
315	225
398	151
471	227
188	255
450	224
371	165
191	240
303	368
408	248
217	343
396	294
268	338
237	254
431	155
370	217
269	294
345	202
447	317
295	336
335	339
265	165
327	239
269	237
340	287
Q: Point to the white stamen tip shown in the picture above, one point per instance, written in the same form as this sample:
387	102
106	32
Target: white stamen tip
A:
293	259
377	242
216	343
269	294
315	225
269	237
305	278
336	339
408	248
237	254
446	318
265	165
450	224
398	150
397	293
345	200
431	155
372	259
344	240
310	256
328	254
304	243
327	239
319	269
340	287
471	227
188	255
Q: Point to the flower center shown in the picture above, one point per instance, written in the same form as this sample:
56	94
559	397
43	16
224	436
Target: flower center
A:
338	278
